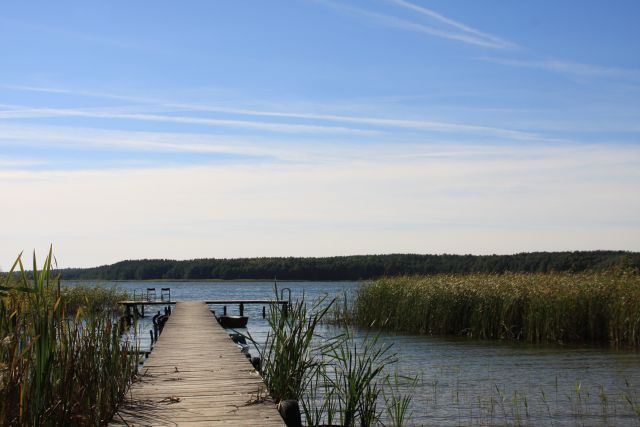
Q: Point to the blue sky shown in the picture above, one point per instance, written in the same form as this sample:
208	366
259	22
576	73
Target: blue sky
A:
318	127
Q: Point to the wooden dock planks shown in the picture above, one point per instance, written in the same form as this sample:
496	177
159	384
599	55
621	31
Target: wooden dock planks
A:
195	375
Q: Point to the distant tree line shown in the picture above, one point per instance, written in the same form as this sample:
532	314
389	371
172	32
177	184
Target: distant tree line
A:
355	267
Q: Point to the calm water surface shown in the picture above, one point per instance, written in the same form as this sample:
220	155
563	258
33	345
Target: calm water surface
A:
465	382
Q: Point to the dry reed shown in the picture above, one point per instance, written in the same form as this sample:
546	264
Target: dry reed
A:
62	361
553	307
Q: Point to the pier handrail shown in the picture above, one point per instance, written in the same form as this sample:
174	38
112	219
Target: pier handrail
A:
143	302
230	301
247	301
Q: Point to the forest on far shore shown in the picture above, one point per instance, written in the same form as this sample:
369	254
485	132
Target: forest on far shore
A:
356	267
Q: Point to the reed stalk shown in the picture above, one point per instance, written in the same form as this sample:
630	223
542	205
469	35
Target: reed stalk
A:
552	307
290	354
61	363
358	378
337	378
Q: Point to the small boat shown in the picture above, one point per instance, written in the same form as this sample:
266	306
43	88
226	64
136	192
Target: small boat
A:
233	321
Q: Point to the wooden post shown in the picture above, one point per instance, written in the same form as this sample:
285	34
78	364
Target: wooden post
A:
224	310
264	312
136	312
285	309
241	309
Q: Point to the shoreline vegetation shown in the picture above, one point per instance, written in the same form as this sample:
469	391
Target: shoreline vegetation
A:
62	359
337	380
595	307
356	267
330	380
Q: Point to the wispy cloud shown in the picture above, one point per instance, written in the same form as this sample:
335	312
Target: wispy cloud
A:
259	150
30	113
450	29
575	69
442	26
64	138
496	201
491	39
121	149
425	125
379	122
78	37
17	162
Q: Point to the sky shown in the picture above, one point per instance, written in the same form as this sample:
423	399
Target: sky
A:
200	129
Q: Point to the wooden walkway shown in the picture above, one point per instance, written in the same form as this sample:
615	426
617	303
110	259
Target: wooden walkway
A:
196	375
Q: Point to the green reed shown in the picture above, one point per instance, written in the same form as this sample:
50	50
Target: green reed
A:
62	361
553	307
357	379
289	357
334	379
398	401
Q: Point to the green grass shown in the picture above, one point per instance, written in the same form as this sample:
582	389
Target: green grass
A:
61	358
553	307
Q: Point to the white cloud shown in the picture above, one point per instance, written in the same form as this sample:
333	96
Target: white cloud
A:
384	122
567	67
492	40
62	138
259	149
481	200
424	125
12	162
450	31
29	113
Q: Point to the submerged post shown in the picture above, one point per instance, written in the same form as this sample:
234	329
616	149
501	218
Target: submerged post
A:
241	309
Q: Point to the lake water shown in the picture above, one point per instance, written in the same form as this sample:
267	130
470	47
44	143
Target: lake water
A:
468	382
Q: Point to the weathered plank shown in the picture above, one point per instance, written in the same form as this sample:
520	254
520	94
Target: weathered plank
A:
195	375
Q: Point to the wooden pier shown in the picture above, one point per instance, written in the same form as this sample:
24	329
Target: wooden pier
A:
196	375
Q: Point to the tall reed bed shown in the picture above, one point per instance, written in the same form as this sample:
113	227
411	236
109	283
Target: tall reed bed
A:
62	361
94	298
555	307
